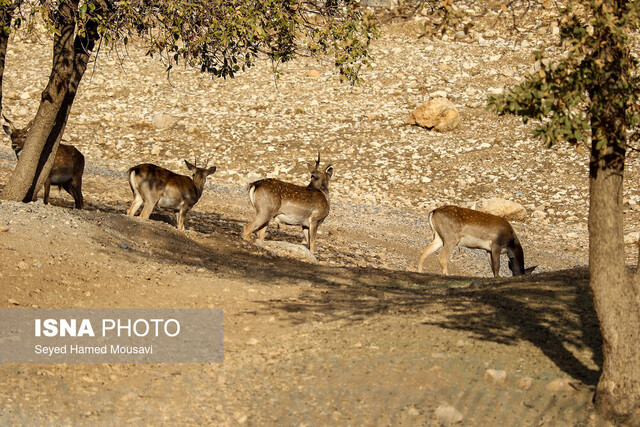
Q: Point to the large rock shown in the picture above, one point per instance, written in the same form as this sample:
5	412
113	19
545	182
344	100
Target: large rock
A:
501	207
287	249
439	114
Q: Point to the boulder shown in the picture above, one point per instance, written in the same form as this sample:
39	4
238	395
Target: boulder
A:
439	114
501	207
287	249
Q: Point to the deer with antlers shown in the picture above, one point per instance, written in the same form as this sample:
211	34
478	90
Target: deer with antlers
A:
153	185
455	226
68	165
291	204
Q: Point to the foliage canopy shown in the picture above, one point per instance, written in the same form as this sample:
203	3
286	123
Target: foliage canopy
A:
597	61
224	37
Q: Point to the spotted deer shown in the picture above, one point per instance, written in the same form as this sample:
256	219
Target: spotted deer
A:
153	185
67	169
291	204
455	226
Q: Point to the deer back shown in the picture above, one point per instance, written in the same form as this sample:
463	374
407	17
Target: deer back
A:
470	228
294	202
169	188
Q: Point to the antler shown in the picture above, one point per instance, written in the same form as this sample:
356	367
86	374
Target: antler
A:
318	161
9	122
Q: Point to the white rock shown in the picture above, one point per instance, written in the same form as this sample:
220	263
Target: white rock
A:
288	249
538	214
561	384
438	94
447	414
631	238
163	121
498	377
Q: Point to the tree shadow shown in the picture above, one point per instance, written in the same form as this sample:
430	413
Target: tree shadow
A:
553	311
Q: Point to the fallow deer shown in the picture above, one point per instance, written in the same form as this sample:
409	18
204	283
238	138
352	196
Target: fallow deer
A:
455	226
67	169
291	204
153	185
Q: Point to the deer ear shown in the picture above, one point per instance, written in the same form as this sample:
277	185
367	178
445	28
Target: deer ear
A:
311	166
212	170
190	166
7	129
528	270
329	171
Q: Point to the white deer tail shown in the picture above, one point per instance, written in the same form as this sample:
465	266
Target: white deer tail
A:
133	182
433	229
252	197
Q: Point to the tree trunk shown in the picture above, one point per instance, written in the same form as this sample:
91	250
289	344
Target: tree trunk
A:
615	291
41	144
71	55
6	14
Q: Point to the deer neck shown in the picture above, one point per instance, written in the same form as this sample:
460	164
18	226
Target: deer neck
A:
324	188
199	186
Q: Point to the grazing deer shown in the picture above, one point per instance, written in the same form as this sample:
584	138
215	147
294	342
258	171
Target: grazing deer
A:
291	204
455	226
153	185
67	169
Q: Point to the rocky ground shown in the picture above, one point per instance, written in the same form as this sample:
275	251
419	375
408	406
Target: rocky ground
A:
359	338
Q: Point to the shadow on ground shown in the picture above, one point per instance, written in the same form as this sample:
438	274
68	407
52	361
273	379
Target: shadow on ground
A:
553	311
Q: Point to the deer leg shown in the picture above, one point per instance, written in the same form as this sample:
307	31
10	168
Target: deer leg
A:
260	222
47	189
68	187
443	258
135	205
495	259
180	217
305	231
426	253
262	232
313	229
148	207
76	187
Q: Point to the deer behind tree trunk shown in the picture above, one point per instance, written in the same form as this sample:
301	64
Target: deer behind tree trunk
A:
67	170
